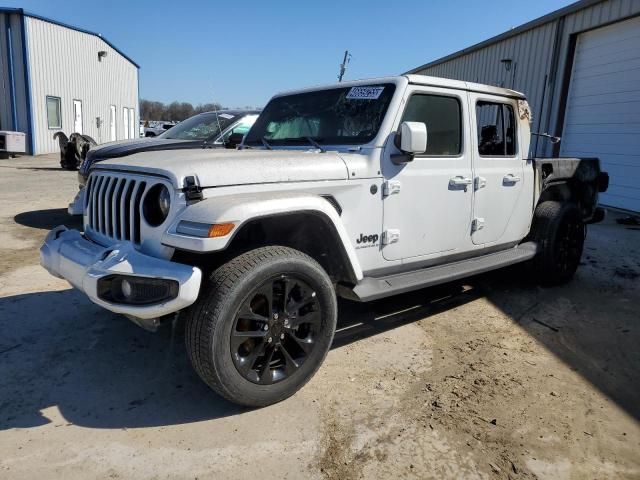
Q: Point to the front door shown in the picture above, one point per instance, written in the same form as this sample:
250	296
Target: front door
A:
77	117
428	206
498	168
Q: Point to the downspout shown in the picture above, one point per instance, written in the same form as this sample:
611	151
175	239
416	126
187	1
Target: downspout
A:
27	87
12	81
553	72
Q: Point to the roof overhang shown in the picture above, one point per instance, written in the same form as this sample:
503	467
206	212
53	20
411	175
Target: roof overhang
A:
21	11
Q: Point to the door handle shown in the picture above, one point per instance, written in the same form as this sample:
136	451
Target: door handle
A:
460	181
510	178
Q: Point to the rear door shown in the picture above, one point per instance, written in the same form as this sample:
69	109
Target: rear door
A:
498	167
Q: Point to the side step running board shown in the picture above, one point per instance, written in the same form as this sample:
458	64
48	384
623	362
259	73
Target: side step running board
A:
371	288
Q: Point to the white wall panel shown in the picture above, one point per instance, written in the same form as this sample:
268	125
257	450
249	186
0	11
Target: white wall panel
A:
64	63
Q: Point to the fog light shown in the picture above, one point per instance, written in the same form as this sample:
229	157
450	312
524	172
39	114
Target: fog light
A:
136	290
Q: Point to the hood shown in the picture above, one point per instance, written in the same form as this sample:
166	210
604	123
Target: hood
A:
214	168
128	147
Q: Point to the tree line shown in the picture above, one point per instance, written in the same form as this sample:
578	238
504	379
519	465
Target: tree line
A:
174	111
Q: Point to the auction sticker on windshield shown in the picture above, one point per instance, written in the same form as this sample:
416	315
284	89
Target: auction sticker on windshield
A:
364	93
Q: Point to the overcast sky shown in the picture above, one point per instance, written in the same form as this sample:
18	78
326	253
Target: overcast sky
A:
240	53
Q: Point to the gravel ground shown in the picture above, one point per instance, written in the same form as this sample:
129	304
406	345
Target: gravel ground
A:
490	378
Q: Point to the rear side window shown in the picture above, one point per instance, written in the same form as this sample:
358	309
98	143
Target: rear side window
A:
496	129
443	118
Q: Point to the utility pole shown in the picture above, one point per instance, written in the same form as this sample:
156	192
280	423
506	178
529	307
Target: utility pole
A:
343	66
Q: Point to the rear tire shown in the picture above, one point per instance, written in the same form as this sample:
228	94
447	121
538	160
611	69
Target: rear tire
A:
559	232
262	326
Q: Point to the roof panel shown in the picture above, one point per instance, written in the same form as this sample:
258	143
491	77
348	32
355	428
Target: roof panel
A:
21	11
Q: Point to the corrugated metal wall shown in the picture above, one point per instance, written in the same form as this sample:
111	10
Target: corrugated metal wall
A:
534	68
13	88
64	63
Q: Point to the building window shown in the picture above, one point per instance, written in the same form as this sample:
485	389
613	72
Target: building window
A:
443	118
54	118
496	129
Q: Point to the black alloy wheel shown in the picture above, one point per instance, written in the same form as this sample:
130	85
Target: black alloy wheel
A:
275	330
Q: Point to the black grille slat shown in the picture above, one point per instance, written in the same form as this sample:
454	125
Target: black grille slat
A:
127	210
136	204
108	200
105	205
117	214
94	203
99	196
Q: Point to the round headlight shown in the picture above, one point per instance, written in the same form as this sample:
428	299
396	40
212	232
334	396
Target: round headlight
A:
156	205
164	201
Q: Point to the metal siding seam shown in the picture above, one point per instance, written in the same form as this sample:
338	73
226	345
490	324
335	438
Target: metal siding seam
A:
12	81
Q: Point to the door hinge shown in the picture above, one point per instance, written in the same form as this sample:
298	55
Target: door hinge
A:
390	236
477	224
390	187
479	182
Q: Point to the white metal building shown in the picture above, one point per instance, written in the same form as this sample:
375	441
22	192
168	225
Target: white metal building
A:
55	77
580	69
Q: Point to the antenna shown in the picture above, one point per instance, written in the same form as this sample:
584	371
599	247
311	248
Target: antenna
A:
343	66
215	110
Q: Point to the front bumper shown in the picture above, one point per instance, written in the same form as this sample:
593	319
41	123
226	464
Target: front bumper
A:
67	254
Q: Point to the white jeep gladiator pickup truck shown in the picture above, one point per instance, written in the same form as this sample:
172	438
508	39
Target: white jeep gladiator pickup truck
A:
361	189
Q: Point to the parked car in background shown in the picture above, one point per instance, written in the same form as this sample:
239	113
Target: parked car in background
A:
153	129
223	128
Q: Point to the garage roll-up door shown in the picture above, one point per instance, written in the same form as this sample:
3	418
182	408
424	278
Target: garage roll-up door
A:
602	118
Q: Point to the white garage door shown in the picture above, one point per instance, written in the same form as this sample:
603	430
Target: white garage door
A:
603	108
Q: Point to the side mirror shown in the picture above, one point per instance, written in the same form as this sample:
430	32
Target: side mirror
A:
411	139
233	140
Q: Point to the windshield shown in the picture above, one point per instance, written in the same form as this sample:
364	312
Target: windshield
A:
339	116
205	126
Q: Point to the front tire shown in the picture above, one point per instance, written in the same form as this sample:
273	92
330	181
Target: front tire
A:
559	232
262	326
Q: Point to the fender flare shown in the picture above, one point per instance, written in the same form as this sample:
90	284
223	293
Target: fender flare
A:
243	208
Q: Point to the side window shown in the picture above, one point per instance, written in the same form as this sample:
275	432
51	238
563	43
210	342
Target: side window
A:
241	128
54	118
443	118
496	127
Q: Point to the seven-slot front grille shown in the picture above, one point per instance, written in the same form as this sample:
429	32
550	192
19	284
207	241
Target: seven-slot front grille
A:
112	205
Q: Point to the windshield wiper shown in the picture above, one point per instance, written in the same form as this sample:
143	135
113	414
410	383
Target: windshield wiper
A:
315	144
266	144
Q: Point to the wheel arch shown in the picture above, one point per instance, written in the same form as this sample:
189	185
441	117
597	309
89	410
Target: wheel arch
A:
309	231
309	223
